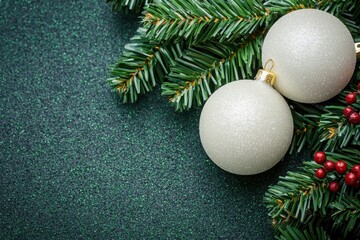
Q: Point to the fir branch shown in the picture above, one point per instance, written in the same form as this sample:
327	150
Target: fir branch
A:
335	130
128	5
200	21
346	213
206	67
306	119
300	201
142	65
301	233
204	20
299	196
335	7
350	155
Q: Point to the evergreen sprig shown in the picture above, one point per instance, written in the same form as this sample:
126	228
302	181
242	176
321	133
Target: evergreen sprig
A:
142	65
200	21
335	7
300	201
346	213
205	67
150	55
306	233
306	118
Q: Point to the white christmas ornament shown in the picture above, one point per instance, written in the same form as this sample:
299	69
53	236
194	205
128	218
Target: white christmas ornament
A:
314	55
246	127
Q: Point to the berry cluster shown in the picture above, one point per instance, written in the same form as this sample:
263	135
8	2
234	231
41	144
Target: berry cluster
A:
349	112
352	178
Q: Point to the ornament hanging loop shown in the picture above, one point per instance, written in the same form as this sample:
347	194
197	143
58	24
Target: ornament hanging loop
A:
266	75
357	48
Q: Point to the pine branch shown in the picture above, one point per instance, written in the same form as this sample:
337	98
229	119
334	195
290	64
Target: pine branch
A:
350	155
335	7
301	233
346	213
299	195
206	67
204	20
142	65
306	135
335	130
300	200
128	5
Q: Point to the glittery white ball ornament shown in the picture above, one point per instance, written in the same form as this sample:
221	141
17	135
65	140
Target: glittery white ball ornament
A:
246	127
314	55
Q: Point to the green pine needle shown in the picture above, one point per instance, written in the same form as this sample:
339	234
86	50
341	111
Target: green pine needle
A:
302	233
300	200
206	67
346	213
335	7
142	65
204	20
306	119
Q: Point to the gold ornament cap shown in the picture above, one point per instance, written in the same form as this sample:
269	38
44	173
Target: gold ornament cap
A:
266	75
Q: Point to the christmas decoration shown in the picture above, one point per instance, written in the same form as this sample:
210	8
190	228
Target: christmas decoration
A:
248	134
192	48
305	44
350	179
334	186
329	166
341	167
320	173
327	207
320	157
356	168
348	111
231	144
351	98
354	118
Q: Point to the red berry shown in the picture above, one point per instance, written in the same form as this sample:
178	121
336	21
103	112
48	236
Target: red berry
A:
348	111
329	166
354	118
351	98
341	167
320	173
350	179
334	186
358	175
355	169
320	157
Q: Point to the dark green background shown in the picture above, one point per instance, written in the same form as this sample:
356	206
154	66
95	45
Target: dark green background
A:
77	164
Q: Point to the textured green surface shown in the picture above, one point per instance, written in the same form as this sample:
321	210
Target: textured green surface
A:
76	164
